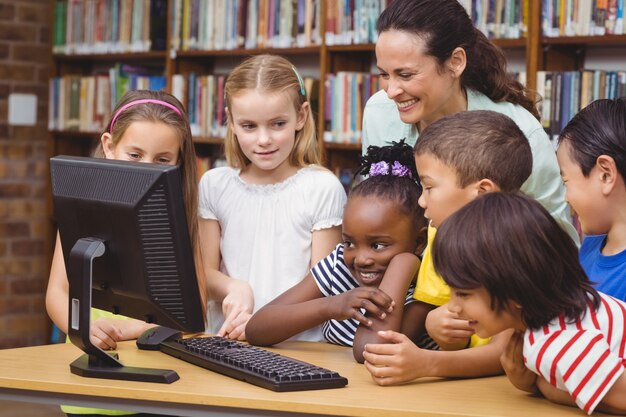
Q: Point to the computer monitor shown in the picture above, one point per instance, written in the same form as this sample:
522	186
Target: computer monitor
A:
127	250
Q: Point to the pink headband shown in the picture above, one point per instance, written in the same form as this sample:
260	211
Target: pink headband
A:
142	101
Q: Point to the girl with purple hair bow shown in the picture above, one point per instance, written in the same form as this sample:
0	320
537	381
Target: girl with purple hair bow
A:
366	284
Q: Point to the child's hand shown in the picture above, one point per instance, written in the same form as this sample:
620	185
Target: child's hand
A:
394	363
447	329
348	305
237	308
105	333
512	360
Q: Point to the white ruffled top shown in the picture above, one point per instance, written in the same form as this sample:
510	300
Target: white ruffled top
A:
267	229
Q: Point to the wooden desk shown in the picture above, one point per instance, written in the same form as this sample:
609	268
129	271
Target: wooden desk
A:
41	374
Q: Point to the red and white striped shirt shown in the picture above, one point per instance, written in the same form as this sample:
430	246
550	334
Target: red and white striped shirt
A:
584	358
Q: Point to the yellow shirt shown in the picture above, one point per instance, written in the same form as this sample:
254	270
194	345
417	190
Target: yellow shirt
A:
70	409
431	288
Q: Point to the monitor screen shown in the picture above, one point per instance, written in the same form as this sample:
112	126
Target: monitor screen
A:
125	243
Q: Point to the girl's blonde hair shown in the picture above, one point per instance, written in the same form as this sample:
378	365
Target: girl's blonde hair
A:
160	113
271	74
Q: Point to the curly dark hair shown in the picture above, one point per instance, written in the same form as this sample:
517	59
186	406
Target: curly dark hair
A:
403	189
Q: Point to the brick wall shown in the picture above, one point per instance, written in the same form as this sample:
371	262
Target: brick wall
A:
24	225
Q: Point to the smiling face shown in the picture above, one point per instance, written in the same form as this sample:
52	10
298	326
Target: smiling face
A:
265	126
144	141
584	194
475	306
423	91
441	195
374	231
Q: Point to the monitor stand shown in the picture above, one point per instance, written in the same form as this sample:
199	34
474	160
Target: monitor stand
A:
96	363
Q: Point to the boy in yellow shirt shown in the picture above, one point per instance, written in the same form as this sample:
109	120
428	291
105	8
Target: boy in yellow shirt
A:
458	158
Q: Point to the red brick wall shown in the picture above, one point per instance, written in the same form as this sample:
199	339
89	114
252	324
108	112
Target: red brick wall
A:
24	226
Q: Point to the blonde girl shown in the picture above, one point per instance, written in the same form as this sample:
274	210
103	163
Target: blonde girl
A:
274	211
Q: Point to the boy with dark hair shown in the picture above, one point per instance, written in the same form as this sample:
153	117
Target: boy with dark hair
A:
592	158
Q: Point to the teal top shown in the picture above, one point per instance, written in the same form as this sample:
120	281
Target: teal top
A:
382	124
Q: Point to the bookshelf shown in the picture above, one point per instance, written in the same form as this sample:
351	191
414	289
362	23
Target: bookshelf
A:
174	35
564	71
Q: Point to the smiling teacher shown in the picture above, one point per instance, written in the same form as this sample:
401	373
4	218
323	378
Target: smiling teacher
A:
434	62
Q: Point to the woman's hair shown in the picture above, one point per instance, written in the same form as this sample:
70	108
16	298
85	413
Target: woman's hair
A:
177	119
598	129
510	245
479	144
392	176
271	74
444	25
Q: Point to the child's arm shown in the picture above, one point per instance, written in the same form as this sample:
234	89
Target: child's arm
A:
445	328
104	333
323	242
395	283
235	295
614	401
401	361
303	306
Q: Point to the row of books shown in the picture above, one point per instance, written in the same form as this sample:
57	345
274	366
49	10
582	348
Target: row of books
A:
205	163
346	93
499	19
109	26
203	97
582	17
233	24
85	103
352	21
565	93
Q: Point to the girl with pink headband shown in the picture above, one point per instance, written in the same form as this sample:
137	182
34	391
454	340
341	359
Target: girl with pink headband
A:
147	126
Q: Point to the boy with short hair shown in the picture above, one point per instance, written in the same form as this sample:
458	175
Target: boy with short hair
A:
458	158
592	158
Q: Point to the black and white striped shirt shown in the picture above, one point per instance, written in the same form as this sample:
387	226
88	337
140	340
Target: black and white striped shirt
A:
333	277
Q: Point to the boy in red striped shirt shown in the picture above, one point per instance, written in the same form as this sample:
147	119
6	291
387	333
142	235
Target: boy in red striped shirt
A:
510	265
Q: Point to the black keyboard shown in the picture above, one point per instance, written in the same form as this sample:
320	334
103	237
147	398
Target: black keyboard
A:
252	364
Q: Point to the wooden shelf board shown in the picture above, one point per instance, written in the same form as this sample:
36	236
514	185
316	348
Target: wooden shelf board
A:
351	47
343	146
510	43
606	40
208	140
126	56
244	52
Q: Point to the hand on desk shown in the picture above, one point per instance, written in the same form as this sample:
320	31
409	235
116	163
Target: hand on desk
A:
105	333
396	362
447	329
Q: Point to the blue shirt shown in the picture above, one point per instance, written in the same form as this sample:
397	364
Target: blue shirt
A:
608	273
333	277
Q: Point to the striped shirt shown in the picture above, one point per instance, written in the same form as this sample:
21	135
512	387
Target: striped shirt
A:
333	277
585	357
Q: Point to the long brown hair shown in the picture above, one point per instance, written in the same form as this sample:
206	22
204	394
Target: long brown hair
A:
153	112
444	25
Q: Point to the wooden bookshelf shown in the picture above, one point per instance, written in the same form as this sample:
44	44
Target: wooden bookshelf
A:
541	52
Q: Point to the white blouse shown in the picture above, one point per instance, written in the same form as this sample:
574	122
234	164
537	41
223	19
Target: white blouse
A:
266	230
